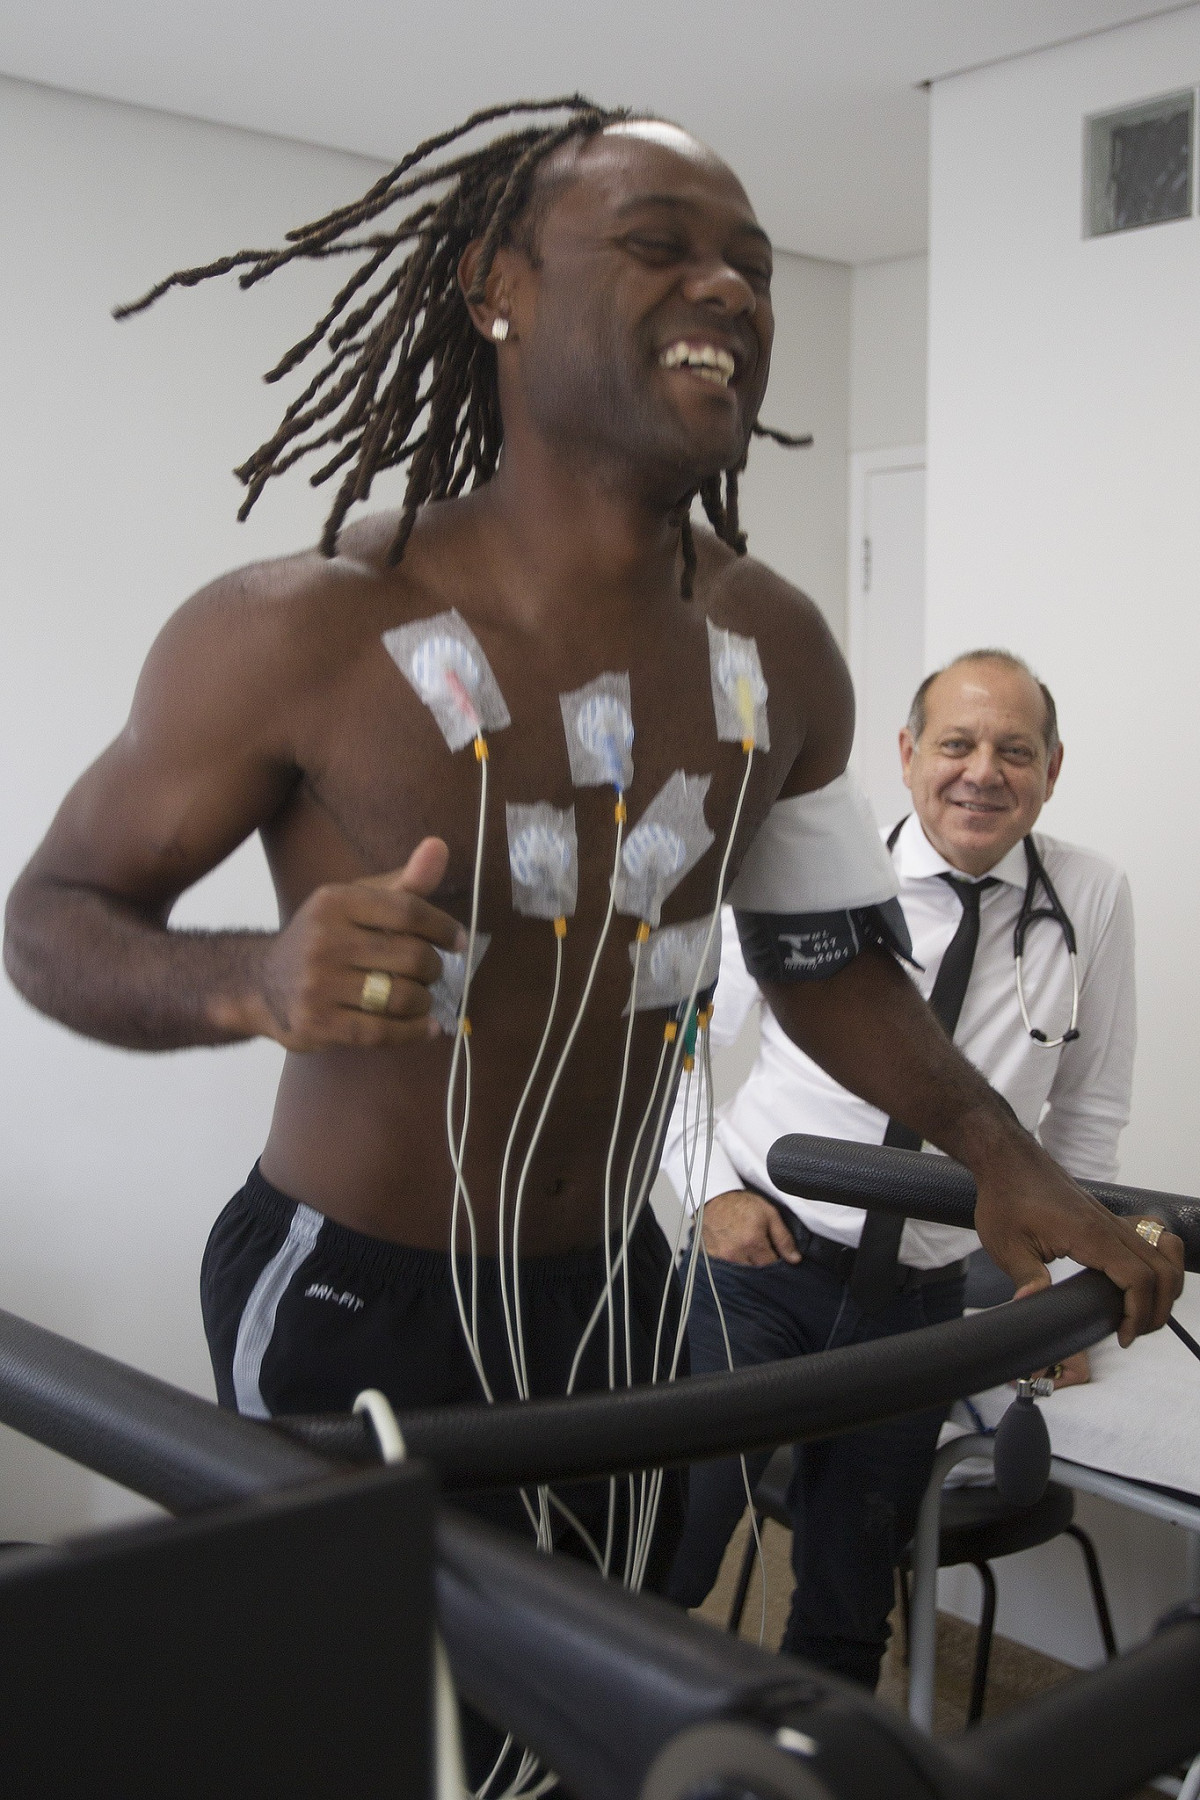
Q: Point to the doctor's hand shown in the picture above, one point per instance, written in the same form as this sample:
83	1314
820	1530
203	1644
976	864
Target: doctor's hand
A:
741	1227
1028	1213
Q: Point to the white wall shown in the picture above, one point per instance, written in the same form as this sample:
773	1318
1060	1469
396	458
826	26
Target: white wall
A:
889	319
116	502
1063	483
1064	471
795	500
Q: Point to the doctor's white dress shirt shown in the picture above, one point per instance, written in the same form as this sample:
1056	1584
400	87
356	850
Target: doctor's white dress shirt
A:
1075	1097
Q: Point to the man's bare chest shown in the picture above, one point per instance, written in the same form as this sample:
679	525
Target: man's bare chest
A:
389	780
385	764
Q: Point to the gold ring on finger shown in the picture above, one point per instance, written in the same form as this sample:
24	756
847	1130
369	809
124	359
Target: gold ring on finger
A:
376	992
1151	1230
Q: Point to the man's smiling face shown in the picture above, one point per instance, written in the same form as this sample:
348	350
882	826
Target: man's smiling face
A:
645	324
981	770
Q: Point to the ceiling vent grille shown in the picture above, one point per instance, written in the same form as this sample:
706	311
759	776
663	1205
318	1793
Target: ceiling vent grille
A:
1138	165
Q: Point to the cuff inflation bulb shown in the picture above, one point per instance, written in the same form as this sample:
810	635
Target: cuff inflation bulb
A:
1022	1449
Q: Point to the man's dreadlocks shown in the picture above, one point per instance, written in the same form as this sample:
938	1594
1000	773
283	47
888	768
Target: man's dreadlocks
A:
406	377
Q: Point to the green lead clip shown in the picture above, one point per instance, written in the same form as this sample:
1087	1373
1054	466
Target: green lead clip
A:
690	1030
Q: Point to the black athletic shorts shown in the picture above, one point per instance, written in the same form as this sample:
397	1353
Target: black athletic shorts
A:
302	1314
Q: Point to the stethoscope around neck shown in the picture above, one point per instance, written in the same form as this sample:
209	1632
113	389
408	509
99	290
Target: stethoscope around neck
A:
1030	913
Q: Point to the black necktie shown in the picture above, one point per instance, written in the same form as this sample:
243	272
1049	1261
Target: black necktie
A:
876	1277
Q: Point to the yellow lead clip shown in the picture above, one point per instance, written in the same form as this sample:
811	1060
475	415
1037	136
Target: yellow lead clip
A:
481	750
643	932
466	1026
670	1029
560	928
620	812
746	707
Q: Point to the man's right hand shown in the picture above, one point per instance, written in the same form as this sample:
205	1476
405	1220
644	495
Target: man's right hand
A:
313	971
742	1227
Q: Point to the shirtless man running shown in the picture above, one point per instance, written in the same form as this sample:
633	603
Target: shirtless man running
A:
621	311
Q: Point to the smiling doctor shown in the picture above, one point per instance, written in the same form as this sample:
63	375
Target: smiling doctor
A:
981	756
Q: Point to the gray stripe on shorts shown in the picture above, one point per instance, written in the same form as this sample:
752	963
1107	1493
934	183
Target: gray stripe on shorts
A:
257	1326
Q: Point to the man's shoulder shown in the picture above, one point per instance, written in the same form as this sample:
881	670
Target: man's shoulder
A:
803	664
1083	868
300	612
1093	890
743	594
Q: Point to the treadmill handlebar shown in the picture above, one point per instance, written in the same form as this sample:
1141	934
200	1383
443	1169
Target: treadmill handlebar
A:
520	1626
185	1453
516	1443
152	1438
938	1189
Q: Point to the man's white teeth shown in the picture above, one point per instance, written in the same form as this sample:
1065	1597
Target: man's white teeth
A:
708	362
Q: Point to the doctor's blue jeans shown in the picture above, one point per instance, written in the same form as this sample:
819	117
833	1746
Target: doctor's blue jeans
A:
853	1499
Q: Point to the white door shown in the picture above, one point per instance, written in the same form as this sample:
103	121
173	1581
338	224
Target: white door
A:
887	617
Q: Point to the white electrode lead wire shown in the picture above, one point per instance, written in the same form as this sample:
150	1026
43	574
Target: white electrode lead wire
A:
687	1011
677	1039
509	1326
461	1053
577	1525
685	1212
696	1207
450	1780
693	1203
469	1322
556	1077
598	1309
642	933
651	1481
704	1102
668	1092
543	1527
689	1004
630	1219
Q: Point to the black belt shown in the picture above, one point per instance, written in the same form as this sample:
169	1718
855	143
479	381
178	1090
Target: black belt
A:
838	1259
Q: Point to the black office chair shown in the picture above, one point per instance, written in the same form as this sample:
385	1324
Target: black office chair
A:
976	1527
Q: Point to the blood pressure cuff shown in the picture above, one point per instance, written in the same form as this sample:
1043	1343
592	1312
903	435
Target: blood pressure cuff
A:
815	886
813	946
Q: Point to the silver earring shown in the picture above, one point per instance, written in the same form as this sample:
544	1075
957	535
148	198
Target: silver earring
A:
499	329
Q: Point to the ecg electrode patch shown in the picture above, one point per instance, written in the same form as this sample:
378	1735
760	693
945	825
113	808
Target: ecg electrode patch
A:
446	993
543	859
739	688
669	839
670	961
598	722
442	659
